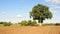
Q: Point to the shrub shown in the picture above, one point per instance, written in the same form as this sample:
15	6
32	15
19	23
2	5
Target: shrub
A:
57	24
28	23
32	23
7	23
24	23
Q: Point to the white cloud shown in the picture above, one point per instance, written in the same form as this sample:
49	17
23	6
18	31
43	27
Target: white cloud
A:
18	16
53	1
15	18
54	12
55	6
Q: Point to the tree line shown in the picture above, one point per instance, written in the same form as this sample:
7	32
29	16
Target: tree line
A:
22	23
28	23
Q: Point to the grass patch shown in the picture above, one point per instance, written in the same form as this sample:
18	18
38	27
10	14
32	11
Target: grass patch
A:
15	25
1	24
48	25
11	25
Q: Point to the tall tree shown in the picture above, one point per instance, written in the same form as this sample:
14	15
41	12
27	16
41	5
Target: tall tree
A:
40	12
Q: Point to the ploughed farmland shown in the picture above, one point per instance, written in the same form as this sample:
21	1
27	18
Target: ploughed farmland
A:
30	30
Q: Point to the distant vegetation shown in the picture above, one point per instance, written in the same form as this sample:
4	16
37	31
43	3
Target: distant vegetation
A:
22	23
27	23
57	24
6	23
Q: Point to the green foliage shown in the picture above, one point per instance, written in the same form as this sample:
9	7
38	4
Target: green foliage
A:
7	23
1	25
24	23
32	23
57	24
40	12
28	23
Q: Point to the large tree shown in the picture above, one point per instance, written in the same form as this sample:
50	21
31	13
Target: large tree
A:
40	12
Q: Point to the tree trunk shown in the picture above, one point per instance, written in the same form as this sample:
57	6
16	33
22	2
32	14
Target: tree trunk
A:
40	21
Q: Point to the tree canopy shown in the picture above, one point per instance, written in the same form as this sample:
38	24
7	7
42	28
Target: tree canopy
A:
40	12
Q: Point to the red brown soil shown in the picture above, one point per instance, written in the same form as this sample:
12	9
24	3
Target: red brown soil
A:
30	30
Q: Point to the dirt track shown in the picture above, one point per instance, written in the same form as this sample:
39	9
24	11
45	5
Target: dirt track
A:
30	30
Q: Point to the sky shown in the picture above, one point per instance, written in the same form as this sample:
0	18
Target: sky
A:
18	10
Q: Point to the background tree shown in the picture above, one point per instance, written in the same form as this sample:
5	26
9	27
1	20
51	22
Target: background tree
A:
7	23
24	23
40	12
57	24
28	23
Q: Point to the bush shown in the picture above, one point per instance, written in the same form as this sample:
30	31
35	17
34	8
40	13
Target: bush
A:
32	23
23	23
57	24
28	23
7	23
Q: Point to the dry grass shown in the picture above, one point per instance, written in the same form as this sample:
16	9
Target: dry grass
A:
30	30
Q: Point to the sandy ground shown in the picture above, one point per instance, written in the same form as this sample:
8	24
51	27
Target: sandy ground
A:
30	30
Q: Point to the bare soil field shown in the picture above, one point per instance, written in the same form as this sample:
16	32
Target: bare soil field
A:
30	30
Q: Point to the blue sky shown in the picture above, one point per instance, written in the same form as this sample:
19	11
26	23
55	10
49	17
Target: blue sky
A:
17	10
